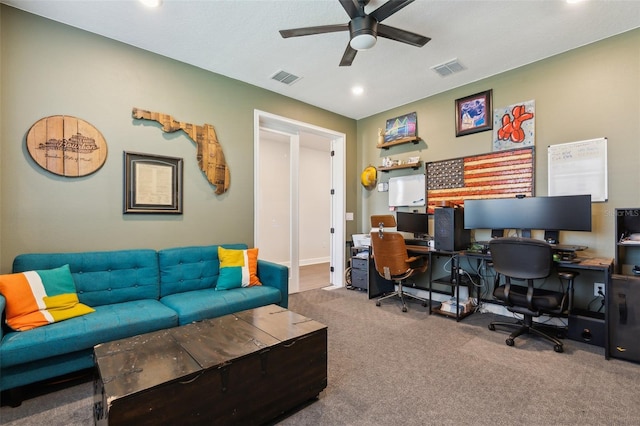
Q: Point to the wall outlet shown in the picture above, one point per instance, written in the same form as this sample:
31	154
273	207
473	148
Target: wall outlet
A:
598	287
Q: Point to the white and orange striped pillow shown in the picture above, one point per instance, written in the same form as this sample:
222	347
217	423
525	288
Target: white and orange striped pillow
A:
37	298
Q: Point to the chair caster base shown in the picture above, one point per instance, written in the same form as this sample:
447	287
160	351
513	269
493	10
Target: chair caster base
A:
558	348
509	342
404	309
377	303
492	327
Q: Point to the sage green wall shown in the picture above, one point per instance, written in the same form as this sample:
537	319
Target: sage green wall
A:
53	69
586	93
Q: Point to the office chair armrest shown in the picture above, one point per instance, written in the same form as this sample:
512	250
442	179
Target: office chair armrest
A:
530	296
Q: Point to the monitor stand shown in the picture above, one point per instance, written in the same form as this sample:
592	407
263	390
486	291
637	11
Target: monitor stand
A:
497	233
551	237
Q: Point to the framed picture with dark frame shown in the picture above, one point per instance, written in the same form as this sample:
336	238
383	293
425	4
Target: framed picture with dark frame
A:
474	113
152	183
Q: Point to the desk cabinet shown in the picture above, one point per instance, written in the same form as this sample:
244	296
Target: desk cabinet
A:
360	273
623	318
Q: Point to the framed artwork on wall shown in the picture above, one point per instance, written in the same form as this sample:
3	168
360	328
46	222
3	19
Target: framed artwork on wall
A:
473	113
514	126
401	127
152	184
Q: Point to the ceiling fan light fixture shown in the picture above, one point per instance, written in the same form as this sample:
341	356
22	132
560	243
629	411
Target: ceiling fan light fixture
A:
363	41
363	30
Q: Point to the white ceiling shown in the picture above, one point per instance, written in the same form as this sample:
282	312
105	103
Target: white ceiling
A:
240	39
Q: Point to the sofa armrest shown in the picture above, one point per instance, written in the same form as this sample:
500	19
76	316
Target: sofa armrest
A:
275	275
3	305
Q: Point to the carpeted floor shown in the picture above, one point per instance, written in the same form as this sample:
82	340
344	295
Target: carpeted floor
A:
388	367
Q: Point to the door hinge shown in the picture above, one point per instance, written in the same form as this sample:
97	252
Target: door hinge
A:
333	153
333	230
333	191
331	269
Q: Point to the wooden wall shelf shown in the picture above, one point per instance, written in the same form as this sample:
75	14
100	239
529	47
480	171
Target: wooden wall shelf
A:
414	166
386	145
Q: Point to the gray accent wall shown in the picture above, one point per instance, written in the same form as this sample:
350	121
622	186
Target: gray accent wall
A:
586	93
52	69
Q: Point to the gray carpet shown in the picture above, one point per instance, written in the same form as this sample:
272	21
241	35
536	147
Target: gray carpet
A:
387	367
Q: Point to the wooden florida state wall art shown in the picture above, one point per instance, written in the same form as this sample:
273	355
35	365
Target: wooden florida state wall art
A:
66	146
210	156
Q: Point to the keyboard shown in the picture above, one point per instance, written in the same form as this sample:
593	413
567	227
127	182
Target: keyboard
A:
568	247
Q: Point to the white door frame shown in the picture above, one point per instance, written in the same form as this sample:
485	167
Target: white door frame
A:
291	127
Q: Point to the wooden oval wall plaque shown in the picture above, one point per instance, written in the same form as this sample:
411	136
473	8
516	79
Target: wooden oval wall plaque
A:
66	146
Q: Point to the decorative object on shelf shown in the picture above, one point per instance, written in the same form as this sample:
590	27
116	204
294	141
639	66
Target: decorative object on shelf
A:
400	128
381	134
395	165
152	184
491	175
514	126
210	156
473	113
66	146
369	177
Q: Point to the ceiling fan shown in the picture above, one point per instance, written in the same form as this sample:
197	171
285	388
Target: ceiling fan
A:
364	28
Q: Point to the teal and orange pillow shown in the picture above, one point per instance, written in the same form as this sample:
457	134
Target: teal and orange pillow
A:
37	298
238	268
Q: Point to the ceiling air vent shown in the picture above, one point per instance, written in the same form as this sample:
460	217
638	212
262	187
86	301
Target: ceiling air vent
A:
285	77
448	68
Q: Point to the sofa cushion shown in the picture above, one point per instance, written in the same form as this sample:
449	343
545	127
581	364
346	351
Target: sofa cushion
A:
103	277
108	322
41	297
190	268
238	268
202	304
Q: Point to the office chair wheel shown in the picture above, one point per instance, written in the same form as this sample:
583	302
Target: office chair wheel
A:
492	327
404	309
377	303
509	342
558	348
424	304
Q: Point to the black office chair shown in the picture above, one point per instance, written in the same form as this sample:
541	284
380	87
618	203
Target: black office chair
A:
392	260
526	259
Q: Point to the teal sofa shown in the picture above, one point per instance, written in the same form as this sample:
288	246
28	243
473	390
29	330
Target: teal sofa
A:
133	292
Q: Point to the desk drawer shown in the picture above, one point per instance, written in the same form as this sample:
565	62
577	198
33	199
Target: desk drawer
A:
359	279
358	263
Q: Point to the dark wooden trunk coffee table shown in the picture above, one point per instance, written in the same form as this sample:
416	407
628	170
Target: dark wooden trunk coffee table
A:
246	368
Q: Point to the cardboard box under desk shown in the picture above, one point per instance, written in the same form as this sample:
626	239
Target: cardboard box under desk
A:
245	368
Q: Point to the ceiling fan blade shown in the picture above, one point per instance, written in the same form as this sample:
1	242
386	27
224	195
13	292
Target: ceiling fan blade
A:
348	57
297	32
402	36
389	8
352	7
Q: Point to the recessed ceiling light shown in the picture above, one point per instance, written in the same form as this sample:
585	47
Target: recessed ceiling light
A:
151	3
357	90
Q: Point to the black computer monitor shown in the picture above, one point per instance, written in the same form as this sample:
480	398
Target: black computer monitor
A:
562	213
415	223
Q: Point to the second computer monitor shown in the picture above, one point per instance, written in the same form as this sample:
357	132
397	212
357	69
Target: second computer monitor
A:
415	223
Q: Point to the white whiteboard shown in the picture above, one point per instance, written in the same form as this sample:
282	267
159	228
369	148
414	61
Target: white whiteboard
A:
579	168
407	191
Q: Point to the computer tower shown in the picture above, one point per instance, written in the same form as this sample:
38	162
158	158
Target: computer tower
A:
623	317
449	234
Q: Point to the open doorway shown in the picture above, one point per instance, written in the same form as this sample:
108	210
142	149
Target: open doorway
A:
299	197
